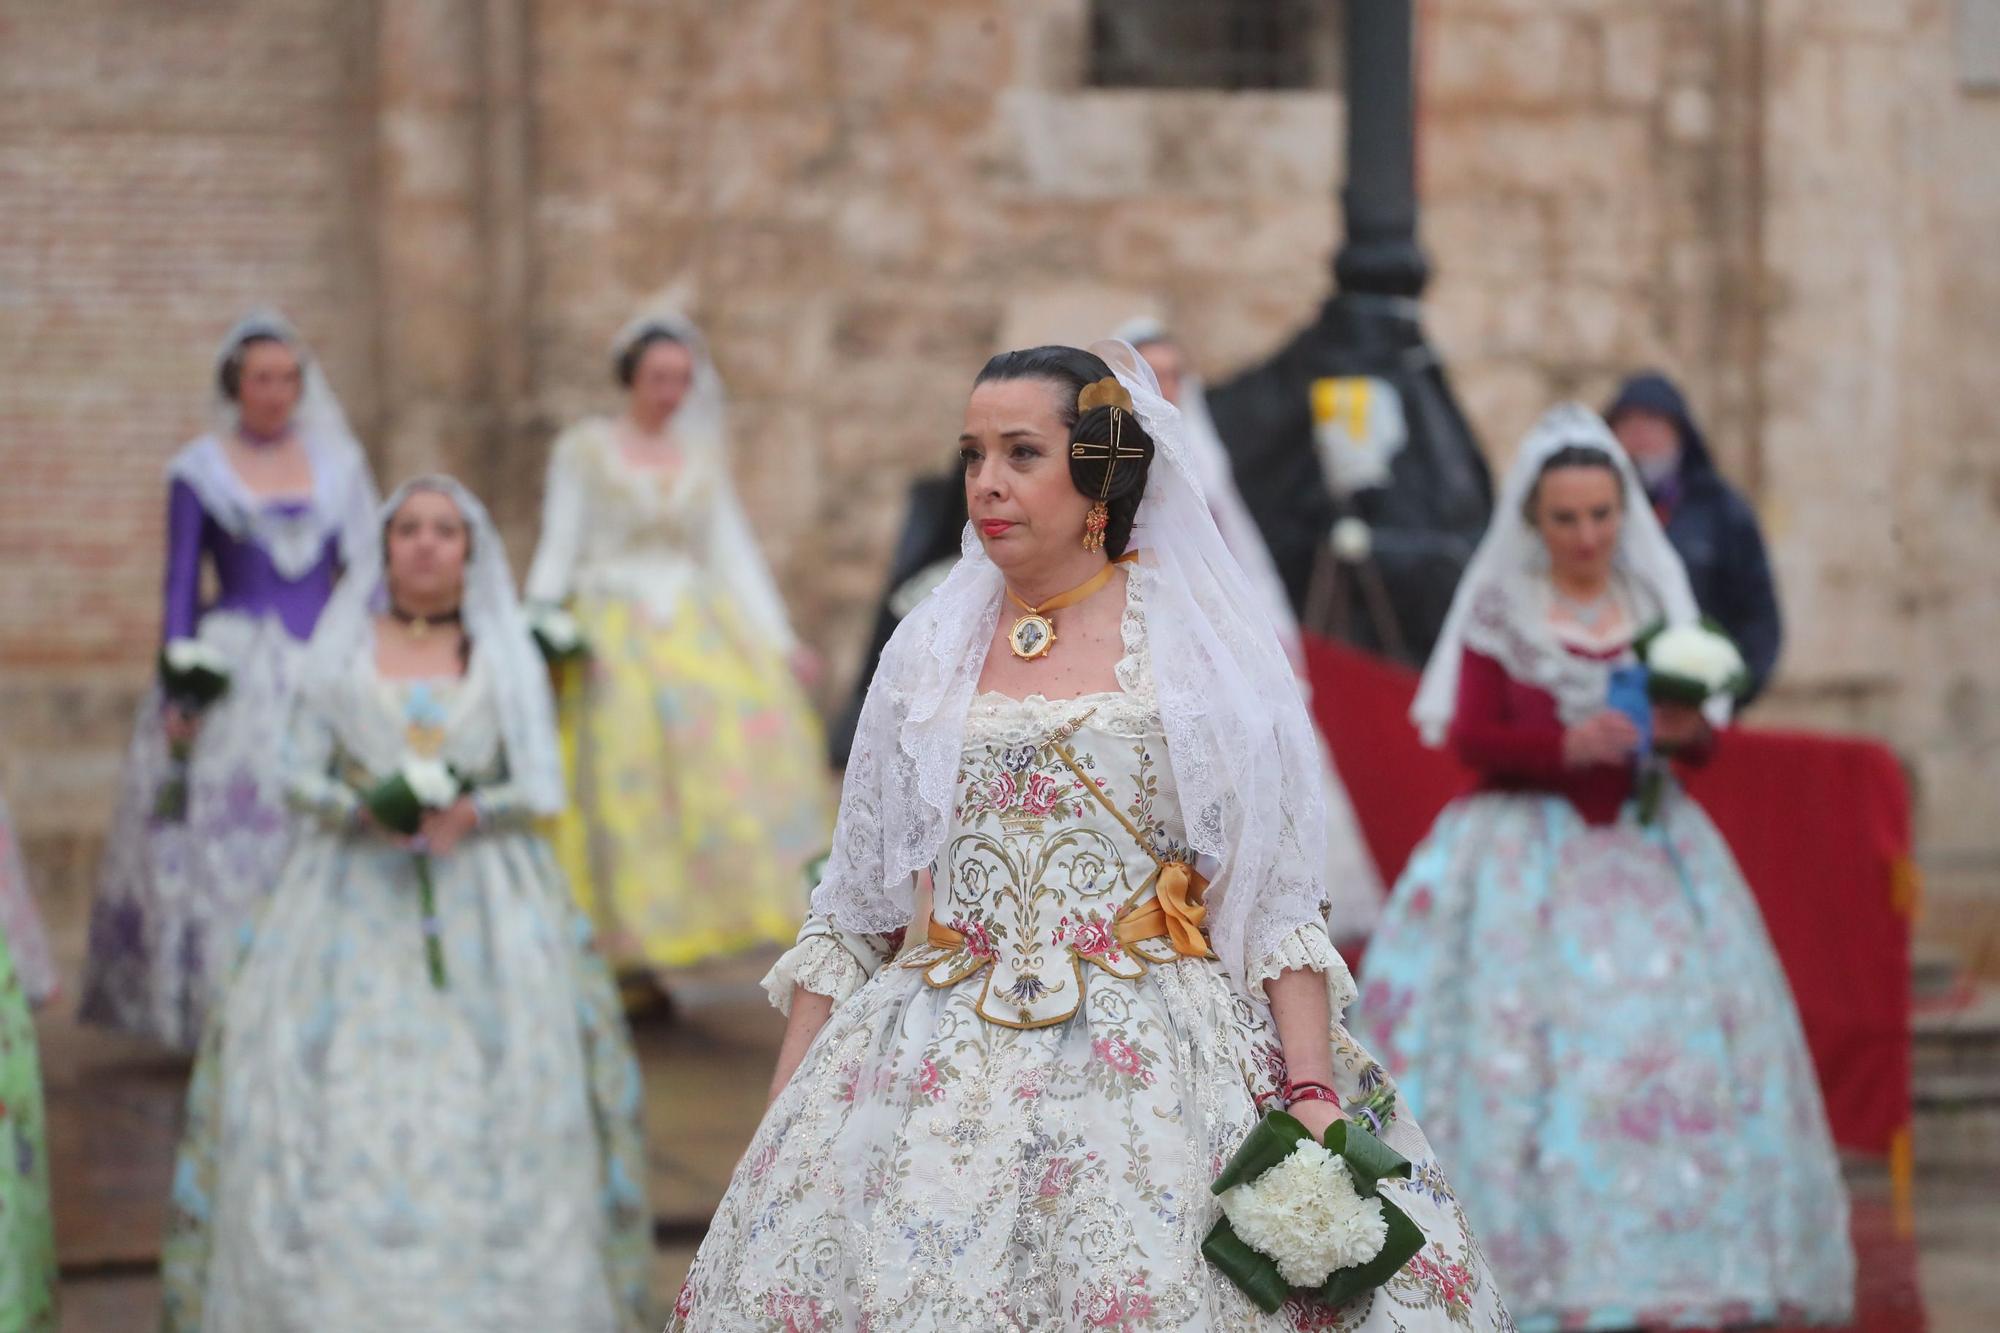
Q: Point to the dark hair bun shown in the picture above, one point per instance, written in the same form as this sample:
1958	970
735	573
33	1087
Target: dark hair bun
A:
1072	370
1571	455
229	375
627	365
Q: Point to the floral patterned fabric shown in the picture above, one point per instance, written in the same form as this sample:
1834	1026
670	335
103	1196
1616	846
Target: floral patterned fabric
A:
1018	1132
27	1231
173	899
368	1150
1596	1031
700	790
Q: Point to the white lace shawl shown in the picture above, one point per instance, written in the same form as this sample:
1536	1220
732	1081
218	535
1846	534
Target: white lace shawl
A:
503	648
1495	610
1242	747
343	496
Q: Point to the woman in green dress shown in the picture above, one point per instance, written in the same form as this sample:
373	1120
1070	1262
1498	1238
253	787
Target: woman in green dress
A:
27	1233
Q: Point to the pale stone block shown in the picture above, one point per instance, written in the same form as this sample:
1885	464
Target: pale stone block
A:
1634	55
1082	146
1517	60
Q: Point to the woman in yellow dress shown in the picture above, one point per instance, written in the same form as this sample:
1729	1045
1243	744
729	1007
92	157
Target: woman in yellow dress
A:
698	789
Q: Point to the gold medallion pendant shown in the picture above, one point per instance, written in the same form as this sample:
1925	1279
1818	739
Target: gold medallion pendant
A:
1034	633
1032	636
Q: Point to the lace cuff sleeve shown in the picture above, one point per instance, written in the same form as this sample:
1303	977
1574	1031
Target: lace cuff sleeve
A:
826	961
1308	949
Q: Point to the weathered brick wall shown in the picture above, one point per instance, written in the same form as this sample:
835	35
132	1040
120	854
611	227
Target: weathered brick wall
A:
1786	204
162	167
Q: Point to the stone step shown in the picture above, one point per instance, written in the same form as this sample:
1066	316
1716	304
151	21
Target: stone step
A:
1960	1038
1962	1137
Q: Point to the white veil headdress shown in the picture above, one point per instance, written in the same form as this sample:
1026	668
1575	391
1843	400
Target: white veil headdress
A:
1213	468
700	428
343	499
1242	748
1491	613
503	648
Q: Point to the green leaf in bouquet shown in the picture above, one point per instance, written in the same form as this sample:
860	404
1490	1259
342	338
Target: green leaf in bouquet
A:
1270	1143
1642	643
1405	1238
1255	1273
1368	1158
1664	688
394	806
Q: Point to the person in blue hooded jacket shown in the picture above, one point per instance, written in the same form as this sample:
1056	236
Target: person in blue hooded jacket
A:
1708	520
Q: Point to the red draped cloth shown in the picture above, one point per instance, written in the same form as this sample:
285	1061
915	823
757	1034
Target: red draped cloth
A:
1820	825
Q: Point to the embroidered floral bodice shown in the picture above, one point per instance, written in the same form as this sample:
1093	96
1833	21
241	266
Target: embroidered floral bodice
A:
1036	869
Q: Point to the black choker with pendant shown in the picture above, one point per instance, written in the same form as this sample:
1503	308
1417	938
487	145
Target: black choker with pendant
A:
418	625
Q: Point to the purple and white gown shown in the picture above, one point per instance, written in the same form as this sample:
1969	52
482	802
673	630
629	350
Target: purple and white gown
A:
173	897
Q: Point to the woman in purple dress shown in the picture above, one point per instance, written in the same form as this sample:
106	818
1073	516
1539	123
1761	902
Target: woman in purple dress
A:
275	500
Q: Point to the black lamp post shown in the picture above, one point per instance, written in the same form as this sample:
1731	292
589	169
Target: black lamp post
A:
1425	518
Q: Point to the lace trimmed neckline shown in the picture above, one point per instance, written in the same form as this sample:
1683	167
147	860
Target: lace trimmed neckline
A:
1130	710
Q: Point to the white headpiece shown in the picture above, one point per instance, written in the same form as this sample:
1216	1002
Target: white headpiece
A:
1217	475
343	500
503	647
1242	747
1487	610
701	422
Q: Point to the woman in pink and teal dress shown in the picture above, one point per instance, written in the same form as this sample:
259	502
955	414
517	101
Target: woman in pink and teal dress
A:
1584	1006
1090	740
27	981
273	502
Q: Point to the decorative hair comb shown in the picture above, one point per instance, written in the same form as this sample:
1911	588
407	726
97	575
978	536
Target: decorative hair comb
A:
1107	392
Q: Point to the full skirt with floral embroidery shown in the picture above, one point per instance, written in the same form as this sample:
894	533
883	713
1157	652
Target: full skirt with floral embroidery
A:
700	792
1595	1028
928	1169
367	1149
175	896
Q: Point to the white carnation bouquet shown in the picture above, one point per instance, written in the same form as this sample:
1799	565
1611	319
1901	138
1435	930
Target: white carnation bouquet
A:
1690	665
1301	1218
193	675
399	803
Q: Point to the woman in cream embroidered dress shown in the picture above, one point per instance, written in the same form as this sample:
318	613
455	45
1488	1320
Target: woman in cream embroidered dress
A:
368	1148
1010	1121
1585	1008
699	791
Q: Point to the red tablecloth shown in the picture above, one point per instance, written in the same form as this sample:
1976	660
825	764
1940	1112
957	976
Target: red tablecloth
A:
1820	825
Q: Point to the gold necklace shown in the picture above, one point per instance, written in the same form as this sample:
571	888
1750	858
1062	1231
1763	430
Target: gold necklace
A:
1034	633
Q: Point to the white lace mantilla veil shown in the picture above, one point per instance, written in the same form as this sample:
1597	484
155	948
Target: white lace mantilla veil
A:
1210	457
343	498
1512	562
503	648
700	428
1242	747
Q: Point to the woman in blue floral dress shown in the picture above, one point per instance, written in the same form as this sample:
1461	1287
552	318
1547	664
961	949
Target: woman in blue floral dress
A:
1583	1005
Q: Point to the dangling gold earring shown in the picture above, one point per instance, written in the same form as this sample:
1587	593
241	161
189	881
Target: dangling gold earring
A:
1094	524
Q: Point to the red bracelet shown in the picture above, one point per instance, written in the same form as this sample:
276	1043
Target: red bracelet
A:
1310	1092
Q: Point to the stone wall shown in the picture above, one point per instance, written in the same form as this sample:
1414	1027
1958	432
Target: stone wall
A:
1782	202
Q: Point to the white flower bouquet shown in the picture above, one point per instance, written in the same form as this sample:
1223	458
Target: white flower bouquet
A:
1687	665
193	675
1691	664
1306	1219
399	803
557	634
